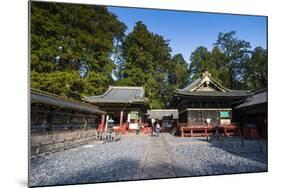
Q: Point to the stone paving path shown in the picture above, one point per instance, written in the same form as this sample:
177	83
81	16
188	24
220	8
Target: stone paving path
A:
157	161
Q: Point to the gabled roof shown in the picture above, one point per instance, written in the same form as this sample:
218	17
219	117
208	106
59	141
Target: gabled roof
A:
207	86
258	97
38	96
162	113
119	94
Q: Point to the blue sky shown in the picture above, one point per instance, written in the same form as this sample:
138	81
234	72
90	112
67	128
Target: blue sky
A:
189	30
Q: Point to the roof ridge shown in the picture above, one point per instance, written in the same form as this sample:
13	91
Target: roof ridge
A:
163	109
190	85
259	91
40	92
127	87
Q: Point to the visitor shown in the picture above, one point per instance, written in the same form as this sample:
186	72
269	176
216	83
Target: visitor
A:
138	129
157	128
152	127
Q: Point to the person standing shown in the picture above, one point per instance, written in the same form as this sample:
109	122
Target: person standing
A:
152	127
157	128
138	129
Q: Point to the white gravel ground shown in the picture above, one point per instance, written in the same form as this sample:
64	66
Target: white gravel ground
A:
116	161
196	156
112	161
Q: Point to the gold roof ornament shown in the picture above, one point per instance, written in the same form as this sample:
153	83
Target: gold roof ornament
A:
206	73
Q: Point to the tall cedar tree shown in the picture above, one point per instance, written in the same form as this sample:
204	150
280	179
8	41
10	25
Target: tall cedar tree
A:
148	63
73	44
237	53
231	63
75	49
256	69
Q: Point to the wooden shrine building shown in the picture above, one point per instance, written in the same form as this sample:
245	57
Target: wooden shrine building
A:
125	106
52	113
205	102
252	115
57	122
168	118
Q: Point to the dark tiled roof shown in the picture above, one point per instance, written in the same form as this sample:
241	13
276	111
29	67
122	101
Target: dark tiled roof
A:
38	96
256	98
160	113
116	94
232	93
190	86
217	91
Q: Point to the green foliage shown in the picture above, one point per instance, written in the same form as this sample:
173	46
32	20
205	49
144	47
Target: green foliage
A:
148	63
231	63
75	50
67	84
200	60
178	72
95	83
236	52
73	38
256	74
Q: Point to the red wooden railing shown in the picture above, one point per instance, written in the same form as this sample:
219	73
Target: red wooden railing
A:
207	130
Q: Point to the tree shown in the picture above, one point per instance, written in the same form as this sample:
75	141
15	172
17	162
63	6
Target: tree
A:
178	73
220	69
256	71
68	84
200	60
236	52
147	59
70	37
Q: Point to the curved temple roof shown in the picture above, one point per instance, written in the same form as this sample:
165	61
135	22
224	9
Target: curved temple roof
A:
118	94
38	96
257	98
207	86
162	113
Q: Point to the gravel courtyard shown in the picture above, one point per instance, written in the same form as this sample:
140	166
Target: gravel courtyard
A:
127	158
111	161
196	156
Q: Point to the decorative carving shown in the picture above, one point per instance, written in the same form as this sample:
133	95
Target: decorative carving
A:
206	73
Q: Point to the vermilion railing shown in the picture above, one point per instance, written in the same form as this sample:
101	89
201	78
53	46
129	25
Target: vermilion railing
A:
206	130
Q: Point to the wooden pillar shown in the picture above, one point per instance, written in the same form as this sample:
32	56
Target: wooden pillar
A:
121	118
102	125
50	122
261	127
187	116
201	113
201	116
102	120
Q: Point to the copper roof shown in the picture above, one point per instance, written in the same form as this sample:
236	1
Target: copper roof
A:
215	89
38	96
162	113
119	94
257	98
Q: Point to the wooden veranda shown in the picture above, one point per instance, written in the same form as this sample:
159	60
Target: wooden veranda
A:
187	130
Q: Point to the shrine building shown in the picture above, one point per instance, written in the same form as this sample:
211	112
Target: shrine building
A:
126	107
206	102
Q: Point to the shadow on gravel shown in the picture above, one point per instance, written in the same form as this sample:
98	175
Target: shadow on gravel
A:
215	169
116	171
121	170
251	149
